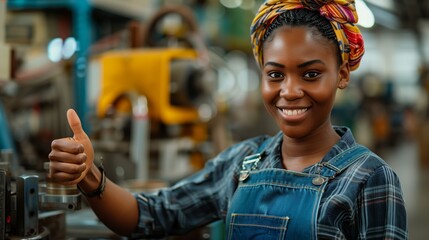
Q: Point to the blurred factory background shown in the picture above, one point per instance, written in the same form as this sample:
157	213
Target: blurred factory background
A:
162	86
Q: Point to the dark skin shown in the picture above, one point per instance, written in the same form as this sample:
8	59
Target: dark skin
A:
300	76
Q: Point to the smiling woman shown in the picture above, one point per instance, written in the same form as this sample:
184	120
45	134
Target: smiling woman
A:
311	180
301	72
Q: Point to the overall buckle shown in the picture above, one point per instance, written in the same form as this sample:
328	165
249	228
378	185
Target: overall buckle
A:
249	163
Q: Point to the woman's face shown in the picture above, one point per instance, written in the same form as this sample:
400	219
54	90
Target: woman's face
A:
300	76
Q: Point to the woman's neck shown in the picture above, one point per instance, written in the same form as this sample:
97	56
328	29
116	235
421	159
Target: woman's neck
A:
298	154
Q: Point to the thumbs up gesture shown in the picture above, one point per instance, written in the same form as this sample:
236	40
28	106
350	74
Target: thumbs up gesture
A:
72	157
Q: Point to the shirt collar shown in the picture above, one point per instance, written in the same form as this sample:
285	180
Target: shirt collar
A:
272	150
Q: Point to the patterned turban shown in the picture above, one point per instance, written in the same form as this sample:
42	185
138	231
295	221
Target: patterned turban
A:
341	14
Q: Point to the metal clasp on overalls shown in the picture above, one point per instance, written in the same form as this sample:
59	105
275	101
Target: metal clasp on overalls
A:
249	163
319	180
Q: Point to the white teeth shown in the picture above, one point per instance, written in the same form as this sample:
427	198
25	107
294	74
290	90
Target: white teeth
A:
294	112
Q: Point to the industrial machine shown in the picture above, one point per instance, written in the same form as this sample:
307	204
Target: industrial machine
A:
31	207
166	79
155	101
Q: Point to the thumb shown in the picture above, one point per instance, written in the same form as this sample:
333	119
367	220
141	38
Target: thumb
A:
75	125
81	137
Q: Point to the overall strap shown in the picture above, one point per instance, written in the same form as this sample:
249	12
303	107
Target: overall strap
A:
343	160
251	162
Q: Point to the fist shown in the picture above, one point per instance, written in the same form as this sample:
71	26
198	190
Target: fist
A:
71	158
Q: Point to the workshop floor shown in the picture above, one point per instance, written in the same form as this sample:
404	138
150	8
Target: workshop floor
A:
415	185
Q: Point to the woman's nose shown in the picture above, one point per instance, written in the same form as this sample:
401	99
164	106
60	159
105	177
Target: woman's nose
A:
291	89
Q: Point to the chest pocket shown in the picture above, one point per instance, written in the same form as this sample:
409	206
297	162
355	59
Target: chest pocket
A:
257	226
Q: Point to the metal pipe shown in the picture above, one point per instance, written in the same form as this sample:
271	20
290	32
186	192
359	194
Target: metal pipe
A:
140	136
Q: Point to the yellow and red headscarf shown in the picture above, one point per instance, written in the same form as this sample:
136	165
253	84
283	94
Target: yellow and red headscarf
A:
341	14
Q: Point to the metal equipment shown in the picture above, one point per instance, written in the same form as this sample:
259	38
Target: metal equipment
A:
174	92
19	210
146	71
58	196
27	198
5	218
25	210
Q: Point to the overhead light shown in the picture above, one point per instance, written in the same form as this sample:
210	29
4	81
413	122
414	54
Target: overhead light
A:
69	47
55	47
385	4
59	49
366	17
231	3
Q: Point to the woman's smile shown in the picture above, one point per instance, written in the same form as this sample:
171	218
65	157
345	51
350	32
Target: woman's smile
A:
293	114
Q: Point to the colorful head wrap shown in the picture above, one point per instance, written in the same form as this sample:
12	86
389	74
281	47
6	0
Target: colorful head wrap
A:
341	14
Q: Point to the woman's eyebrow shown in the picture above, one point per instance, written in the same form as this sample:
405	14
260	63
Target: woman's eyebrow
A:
274	64
302	65
310	63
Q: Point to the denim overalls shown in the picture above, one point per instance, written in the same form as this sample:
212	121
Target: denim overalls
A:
280	204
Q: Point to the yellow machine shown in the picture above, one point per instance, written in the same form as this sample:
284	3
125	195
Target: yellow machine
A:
168	78
147	71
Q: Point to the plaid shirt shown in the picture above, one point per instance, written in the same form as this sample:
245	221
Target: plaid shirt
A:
363	202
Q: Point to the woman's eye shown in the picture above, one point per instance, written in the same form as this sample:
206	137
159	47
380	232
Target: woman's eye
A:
275	75
310	75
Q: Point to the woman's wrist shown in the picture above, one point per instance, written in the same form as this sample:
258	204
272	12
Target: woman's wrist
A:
91	181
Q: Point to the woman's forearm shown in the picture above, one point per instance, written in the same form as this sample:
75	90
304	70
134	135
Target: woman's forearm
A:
117	208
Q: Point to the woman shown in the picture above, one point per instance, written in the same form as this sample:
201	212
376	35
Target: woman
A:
311	180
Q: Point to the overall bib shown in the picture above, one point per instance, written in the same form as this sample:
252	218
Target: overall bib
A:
281	204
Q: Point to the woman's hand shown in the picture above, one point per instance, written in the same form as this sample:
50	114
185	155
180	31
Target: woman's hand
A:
72	157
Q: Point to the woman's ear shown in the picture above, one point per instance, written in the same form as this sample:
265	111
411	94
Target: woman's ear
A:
344	75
